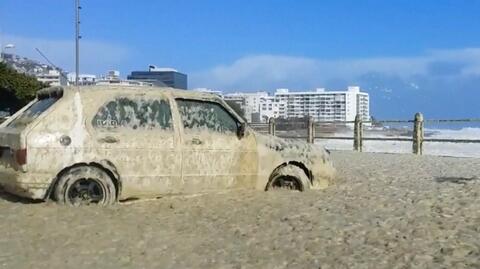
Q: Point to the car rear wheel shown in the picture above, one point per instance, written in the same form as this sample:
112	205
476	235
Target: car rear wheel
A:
85	185
289	177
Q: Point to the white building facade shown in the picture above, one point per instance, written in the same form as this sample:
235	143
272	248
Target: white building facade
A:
250	103
83	79
52	78
321	105
270	107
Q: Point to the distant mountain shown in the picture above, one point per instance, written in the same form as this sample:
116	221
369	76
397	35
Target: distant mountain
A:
25	65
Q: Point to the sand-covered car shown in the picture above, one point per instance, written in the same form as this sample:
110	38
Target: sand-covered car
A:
101	144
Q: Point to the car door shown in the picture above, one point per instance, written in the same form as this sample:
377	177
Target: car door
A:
215	157
137	134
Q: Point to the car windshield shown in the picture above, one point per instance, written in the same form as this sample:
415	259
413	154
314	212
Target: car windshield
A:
30	114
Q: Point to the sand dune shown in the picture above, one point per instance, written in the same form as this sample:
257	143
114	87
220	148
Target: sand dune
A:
387	211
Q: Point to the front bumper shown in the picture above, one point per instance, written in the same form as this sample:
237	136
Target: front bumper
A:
324	175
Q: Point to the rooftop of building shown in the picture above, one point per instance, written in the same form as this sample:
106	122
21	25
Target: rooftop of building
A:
154	69
350	89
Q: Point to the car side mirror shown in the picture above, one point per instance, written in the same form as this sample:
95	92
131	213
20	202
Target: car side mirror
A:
241	129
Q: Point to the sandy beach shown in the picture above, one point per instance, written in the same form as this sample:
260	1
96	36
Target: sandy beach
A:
386	211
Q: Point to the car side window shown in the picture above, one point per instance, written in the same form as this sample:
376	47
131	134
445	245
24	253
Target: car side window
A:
201	115
143	114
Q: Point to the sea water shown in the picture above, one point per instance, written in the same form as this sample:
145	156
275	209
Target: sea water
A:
458	130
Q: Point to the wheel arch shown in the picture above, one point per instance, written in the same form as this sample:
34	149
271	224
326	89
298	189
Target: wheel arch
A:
300	165
105	165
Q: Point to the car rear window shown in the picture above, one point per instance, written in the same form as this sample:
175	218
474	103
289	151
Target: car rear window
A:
31	113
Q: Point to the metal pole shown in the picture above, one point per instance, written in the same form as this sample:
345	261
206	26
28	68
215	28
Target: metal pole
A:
1	45
77	41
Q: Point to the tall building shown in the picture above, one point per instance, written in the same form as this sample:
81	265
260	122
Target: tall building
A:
322	105
161	77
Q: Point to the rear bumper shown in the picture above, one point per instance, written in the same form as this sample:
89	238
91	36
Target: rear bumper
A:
24	184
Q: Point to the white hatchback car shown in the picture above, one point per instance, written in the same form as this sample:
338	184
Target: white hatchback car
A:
101	144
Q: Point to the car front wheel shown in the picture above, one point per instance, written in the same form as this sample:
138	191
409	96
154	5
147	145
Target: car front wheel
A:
85	185
289	177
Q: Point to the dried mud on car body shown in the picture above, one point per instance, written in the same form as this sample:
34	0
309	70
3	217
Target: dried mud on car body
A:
388	211
153	141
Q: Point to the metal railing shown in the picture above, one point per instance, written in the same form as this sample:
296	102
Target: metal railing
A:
417	137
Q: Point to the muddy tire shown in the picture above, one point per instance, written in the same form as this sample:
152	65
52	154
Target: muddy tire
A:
85	185
289	177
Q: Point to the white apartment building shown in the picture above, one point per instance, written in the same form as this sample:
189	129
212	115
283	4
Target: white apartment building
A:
83	79
270	108
320	104
52	78
250	102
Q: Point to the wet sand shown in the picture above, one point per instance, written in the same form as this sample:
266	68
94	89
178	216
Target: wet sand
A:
387	211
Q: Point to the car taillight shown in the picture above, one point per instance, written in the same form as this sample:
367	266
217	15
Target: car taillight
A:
21	156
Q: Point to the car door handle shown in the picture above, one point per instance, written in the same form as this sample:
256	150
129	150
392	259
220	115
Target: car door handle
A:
196	141
109	140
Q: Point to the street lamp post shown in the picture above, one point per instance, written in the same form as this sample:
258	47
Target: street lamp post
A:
77	41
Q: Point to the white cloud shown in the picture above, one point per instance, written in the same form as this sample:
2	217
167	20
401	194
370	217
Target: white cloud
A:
95	56
275	71
249	70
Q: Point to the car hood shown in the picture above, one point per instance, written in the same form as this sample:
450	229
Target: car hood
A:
291	147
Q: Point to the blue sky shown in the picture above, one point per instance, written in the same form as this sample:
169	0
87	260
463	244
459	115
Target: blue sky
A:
392	49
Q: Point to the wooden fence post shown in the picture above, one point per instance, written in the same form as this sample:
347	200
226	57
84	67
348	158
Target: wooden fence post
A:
358	134
418	134
311	130
271	126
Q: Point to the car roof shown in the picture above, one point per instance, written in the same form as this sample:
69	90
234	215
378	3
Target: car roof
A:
128	89
112	90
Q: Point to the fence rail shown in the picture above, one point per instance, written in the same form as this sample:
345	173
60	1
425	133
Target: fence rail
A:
417	137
